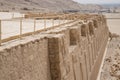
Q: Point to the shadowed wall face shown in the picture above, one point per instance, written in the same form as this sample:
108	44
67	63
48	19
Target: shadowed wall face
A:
91	28
85	51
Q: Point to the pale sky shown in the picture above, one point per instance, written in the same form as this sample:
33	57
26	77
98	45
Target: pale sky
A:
99	1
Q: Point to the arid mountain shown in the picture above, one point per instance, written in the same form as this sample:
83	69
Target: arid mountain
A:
43	5
112	7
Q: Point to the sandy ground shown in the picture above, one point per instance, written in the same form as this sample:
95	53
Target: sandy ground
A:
10	15
111	67
12	27
112	15
113	24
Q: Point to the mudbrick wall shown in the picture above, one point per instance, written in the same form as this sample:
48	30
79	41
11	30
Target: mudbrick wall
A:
70	52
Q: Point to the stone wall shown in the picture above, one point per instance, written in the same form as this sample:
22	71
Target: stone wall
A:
25	61
71	52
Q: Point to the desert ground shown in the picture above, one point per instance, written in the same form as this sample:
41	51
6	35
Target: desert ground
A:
111	66
10	26
113	21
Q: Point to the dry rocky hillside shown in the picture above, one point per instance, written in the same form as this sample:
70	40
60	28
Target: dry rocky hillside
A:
43	5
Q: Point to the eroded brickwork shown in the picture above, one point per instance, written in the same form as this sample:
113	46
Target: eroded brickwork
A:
28	61
72	52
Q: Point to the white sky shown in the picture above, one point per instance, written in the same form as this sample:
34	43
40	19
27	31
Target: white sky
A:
99	1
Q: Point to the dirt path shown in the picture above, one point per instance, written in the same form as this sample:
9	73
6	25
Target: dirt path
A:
111	67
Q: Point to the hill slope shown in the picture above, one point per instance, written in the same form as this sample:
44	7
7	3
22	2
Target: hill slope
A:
41	5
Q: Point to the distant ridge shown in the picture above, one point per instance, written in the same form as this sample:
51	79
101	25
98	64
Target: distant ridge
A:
43	5
111	5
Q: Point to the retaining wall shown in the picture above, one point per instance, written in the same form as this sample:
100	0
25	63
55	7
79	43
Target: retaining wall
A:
72	52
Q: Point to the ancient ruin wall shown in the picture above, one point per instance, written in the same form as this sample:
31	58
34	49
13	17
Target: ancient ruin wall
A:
72	52
25	61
